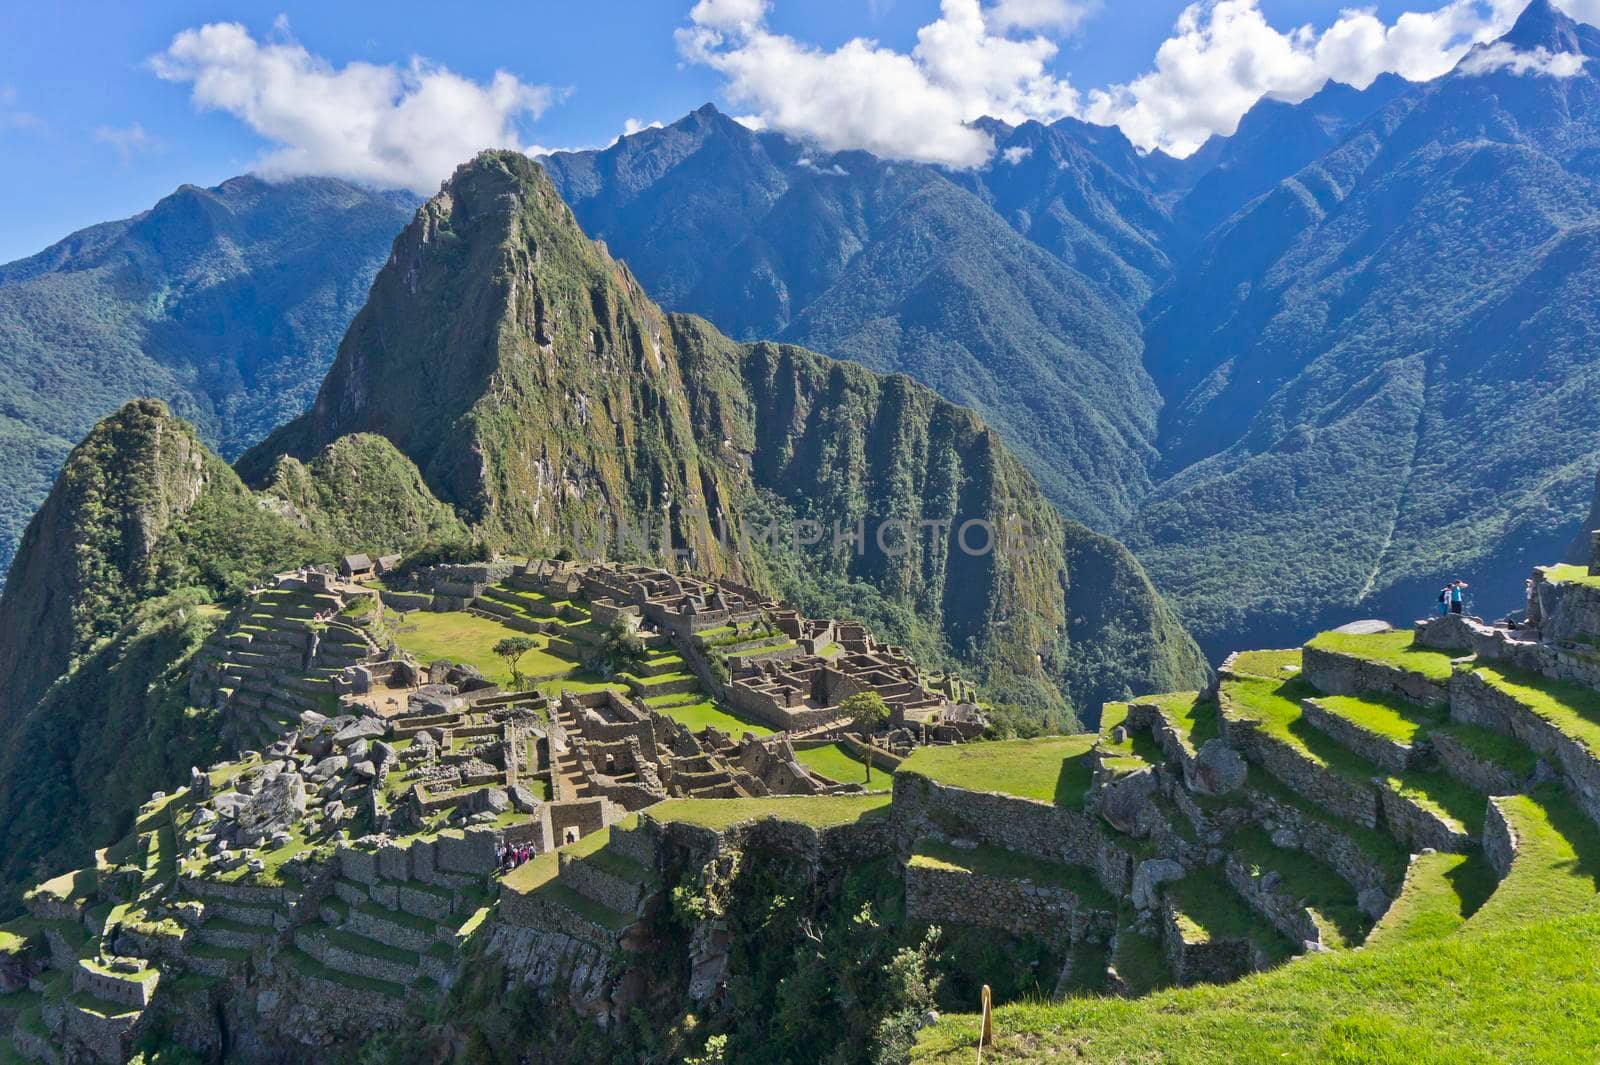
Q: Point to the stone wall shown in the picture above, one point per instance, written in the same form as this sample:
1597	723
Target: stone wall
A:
1477	702
1392	755
1214	961
593	882
923	808
1052	914
1326	842
1281	909
1459	761
1417	827
1500	842
1333	673
1351	800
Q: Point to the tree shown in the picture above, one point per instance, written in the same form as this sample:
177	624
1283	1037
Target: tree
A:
512	648
869	713
622	650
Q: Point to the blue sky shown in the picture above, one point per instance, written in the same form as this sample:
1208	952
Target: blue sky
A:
105	107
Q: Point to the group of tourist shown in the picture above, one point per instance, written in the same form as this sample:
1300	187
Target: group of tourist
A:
513	856
1453	598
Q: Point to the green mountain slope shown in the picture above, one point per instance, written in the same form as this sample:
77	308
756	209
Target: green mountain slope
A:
540	392
226	302
1380	375
905	268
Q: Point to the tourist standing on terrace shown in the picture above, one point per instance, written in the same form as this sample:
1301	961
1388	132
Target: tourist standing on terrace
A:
1458	595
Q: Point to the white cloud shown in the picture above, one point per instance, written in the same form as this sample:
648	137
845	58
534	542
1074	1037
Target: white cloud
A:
1063	16
861	95
1017	153
630	126
1223	57
126	140
14	117
1542	61
397	126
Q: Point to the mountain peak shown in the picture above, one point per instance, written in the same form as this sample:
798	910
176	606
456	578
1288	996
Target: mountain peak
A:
1542	25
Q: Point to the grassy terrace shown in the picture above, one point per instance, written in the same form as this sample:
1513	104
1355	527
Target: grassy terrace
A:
1054	769
1395	648
1132	754
1331	900
836	763
1441	891
703	713
1276	705
1507	752
1392	718
469	640
818	811
1514	982
1572	708
1140	961
1567	573
1195	719
1208	909
1008	865
1274	665
1379	847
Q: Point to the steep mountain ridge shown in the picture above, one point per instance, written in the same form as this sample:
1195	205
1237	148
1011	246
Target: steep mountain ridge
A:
540	392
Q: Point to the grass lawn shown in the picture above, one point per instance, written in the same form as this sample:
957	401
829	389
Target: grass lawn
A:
1567	573
1140	961
818	811
837	764
1052	768
706	713
469	640
1396	648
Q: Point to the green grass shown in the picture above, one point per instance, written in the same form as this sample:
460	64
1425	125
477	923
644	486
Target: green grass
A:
1208	909
1441	891
1379	847
309	966
1486	745
1052	768
707	714
1572	708
1140	961
818	811
1396	648
1516	982
836	763
997	862
1276	705
1388	716
1567	573
1136	752
468	639
1274	665
1331	900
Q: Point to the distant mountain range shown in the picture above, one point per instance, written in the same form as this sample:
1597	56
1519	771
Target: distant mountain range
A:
1306	374
225	302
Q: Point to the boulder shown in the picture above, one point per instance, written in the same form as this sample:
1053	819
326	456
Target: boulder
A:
364	770
1148	876
1285	839
280	803
330	767
1122	802
522	798
358	751
365	728
490	800
383	754
1373	902
199	783
1217	769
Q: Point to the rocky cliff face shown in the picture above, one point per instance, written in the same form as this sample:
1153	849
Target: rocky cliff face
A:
539	390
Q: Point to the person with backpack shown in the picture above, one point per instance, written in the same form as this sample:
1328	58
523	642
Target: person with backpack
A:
1444	600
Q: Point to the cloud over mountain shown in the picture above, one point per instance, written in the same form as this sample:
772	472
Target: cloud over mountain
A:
390	125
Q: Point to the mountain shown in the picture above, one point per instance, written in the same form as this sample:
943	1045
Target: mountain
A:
542	394
1380	374
109	597
904	269
226	302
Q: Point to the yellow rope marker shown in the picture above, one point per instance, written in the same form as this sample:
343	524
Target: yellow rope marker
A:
986	1032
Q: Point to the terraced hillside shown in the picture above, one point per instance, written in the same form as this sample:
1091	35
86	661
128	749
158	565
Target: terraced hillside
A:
1414	814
